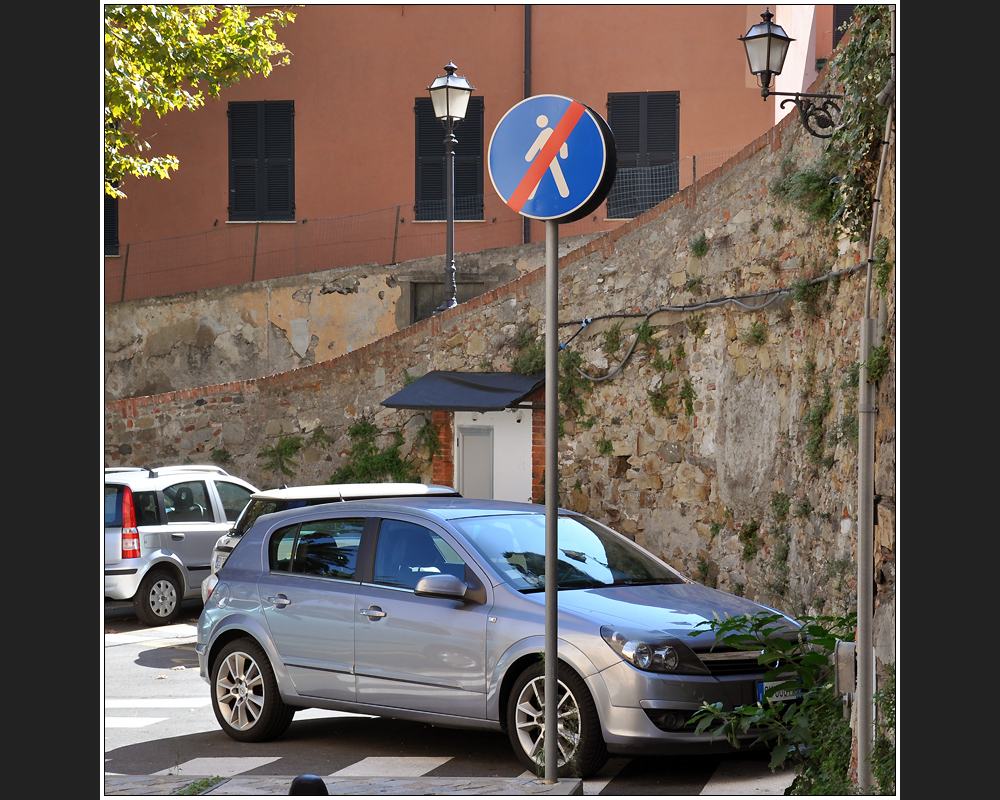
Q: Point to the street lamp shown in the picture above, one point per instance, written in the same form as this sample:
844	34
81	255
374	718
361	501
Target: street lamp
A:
450	97
766	44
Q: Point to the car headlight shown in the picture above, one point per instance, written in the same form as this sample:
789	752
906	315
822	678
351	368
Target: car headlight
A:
652	651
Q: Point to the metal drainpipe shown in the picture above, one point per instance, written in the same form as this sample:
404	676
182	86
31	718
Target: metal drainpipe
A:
870	335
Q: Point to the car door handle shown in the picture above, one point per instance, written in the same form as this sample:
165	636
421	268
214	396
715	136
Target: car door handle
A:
177	537
279	601
372	613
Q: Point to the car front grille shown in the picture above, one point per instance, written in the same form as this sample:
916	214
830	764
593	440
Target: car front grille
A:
727	661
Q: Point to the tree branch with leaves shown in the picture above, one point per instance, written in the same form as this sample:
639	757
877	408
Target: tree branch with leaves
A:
161	58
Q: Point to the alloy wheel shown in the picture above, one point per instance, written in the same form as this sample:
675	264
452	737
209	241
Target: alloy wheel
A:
529	717
239	690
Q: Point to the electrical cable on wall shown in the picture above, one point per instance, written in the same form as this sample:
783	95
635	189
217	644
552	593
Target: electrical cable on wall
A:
770	294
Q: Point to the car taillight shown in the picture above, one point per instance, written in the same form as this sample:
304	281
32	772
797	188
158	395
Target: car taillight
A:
130	533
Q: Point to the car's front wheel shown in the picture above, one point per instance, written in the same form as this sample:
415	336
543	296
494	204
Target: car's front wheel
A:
158	601
245	694
582	750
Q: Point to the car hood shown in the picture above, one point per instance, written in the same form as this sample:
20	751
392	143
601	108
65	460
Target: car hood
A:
674	608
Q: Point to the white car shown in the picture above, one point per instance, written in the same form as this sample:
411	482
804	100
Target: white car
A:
272	500
160	526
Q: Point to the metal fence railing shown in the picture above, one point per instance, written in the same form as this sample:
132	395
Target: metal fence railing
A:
245	252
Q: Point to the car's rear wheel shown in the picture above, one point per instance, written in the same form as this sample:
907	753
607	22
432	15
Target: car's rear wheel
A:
582	750
245	694
158	601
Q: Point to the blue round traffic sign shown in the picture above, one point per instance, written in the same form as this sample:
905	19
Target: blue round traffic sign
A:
552	158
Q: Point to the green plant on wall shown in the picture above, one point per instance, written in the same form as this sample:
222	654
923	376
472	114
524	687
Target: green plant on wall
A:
696	324
221	456
530	356
687	395
877	363
699	245
366	463
281	456
572	383
755	333
612	339
780	505
808	294
427	438
815	425
748	537
881	268
605	447
659	399
812	190
862	67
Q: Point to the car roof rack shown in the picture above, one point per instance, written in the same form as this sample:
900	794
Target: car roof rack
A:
125	469
157	471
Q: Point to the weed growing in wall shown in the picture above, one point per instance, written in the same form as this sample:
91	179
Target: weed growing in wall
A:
696	324
221	456
366	463
755	333
749	539
687	395
808	294
612	339
699	245
281	456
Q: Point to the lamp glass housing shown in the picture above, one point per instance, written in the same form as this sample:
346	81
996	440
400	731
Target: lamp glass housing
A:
766	44
450	97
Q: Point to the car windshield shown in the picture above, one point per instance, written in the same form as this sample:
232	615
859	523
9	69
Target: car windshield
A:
590	555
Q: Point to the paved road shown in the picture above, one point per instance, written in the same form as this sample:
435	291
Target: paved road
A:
159	721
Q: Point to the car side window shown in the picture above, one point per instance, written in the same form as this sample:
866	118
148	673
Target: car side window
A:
188	502
406	552
328	548
234	497
279	551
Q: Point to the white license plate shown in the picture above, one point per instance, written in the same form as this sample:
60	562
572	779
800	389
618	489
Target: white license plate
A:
219	561
784	694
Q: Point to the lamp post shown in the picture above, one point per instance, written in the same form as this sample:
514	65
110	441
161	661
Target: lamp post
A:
766	44
450	95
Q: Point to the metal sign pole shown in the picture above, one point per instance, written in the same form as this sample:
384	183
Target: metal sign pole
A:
551	750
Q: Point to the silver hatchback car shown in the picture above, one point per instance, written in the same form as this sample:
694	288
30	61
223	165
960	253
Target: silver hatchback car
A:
160	526
434	610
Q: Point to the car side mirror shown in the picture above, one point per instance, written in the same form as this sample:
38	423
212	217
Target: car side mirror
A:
441	586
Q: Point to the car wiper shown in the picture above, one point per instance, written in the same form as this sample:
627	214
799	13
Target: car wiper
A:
639	582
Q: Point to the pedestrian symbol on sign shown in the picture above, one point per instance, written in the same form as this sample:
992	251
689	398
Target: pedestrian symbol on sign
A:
557	174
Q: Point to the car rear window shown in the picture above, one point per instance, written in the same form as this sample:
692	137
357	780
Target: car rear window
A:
143	503
113	496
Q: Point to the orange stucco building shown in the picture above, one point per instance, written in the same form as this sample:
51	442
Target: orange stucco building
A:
357	77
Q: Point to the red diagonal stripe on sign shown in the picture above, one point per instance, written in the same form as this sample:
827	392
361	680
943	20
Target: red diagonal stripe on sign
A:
545	156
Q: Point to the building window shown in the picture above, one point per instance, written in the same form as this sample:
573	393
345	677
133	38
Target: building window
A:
110	225
262	160
841	14
646	126
430	189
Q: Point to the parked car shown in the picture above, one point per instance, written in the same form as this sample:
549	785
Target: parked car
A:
160	526
272	500
433	609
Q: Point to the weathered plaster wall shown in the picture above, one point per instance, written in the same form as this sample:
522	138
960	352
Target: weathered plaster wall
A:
201	338
691	487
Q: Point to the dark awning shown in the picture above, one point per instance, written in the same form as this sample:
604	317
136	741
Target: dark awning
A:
466	391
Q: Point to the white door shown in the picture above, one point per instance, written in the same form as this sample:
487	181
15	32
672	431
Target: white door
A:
494	454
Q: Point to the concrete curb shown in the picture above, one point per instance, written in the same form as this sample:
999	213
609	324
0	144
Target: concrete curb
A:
143	785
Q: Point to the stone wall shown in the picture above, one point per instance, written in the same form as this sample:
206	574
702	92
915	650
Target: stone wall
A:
726	443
